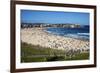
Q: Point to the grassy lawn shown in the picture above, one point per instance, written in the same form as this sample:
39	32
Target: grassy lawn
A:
36	53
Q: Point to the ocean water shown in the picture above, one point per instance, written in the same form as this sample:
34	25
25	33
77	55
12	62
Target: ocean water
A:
79	33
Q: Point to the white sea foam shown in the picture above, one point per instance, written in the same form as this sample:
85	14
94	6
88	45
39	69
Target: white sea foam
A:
83	33
77	36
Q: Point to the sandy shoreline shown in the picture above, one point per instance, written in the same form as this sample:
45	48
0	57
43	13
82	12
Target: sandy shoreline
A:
38	36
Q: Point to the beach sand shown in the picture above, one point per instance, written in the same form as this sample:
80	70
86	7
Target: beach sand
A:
38	36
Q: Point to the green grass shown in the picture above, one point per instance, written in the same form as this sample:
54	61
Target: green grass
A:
31	59
81	56
36	53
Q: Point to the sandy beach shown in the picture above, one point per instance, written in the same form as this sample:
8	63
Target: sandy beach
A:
38	36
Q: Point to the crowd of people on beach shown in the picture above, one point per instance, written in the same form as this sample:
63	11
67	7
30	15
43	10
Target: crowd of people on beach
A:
37	36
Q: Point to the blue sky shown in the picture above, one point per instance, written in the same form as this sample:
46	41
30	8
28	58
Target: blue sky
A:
33	16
